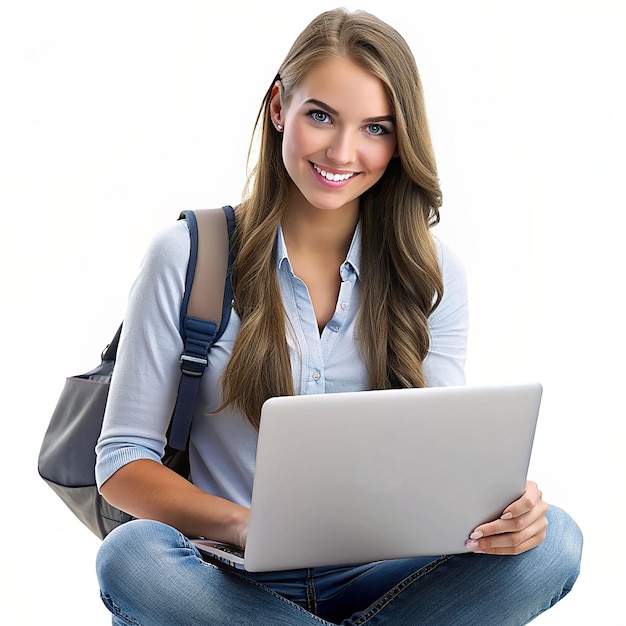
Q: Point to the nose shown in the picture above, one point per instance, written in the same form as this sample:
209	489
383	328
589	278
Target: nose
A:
343	148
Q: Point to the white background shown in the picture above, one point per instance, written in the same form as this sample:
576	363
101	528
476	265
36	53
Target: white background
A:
114	116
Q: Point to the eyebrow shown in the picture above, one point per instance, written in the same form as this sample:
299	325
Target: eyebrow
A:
369	120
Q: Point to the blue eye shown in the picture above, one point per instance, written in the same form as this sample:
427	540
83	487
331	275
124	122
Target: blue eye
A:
376	129
320	116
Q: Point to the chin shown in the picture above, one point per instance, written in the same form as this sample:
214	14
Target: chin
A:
334	207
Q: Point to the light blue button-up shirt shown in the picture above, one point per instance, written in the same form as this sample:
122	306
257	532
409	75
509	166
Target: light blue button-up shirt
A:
223	445
326	362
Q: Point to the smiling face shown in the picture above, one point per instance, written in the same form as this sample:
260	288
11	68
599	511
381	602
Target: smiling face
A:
339	134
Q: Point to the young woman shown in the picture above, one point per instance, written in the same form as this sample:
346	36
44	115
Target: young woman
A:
339	286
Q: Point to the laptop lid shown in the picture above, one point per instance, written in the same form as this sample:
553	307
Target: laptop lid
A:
355	477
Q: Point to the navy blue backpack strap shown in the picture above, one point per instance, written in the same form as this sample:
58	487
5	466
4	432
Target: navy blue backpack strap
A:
228	300
208	297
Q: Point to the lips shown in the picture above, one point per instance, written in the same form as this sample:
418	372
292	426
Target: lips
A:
333	177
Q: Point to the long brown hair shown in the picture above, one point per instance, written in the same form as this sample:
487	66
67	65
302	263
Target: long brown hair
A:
400	275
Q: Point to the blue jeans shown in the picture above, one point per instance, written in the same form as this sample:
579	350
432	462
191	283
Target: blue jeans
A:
150	574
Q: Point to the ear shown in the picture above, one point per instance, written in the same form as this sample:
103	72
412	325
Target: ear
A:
276	103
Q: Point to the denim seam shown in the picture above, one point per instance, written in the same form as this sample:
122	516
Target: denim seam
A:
117	611
311	593
393	593
186	542
269	590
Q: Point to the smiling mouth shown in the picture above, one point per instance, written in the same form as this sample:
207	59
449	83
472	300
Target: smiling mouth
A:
333	177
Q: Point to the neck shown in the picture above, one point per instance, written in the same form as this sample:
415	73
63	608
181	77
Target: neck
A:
318	231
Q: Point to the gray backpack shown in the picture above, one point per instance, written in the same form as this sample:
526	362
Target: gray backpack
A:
67	456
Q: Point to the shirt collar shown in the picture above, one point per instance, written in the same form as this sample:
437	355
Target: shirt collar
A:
281	249
351	264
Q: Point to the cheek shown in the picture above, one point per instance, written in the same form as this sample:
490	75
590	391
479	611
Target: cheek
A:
292	155
298	142
379	159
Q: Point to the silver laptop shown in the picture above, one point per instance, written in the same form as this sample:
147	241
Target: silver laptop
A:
354	477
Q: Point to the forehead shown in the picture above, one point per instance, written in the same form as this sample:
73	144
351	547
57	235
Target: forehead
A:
345	86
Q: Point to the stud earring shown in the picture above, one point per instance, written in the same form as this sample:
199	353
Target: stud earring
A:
279	128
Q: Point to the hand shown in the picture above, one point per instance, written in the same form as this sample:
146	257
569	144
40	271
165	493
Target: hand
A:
521	527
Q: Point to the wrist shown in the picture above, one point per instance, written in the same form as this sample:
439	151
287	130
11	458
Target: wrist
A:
238	526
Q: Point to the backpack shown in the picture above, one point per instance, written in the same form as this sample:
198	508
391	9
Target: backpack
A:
67	456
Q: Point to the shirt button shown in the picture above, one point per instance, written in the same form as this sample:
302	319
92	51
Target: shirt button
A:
316	376
334	328
344	306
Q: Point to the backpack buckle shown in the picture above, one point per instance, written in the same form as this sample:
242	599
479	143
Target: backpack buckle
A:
192	365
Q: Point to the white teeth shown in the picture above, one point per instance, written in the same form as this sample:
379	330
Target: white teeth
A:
332	177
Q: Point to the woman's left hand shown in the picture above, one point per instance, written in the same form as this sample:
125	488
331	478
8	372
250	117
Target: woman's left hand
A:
521	527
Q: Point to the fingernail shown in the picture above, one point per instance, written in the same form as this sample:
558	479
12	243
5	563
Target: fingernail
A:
471	545
508	515
477	534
